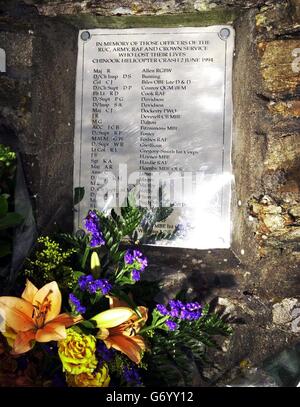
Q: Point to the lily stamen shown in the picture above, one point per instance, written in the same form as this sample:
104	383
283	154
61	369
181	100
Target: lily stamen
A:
35	317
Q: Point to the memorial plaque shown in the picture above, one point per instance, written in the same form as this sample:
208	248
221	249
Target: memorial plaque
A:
154	113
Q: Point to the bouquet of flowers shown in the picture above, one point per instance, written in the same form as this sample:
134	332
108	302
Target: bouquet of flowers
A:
84	316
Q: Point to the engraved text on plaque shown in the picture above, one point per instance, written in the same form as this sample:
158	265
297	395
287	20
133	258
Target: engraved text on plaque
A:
154	109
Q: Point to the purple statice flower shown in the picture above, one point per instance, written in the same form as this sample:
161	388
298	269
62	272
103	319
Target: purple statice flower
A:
104	353
138	261
131	376
92	287
136	275
103	285
88	283
132	256
129	256
175	308
162	309
190	311
142	260
84	281
76	302
176	304
171	325
92	225
144	263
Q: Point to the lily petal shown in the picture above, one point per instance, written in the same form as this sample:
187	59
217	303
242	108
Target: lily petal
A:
10	336
131	346
29	292
24	342
144	313
51	293
95	263
103	333
67	320
113	317
116	302
17	313
53	331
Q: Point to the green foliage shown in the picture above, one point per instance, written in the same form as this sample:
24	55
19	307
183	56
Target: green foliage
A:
116	228
51	263
175	354
151	218
132	217
7	163
10	220
119	229
79	243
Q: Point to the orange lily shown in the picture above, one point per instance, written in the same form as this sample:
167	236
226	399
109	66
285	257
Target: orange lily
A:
119	327
34	317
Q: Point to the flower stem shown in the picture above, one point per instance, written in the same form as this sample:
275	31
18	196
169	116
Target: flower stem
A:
85	257
120	274
156	325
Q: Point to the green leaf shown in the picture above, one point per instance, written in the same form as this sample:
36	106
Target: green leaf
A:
114	215
3	206
109	242
78	195
107	236
118	256
88	324
114	248
96	298
85	257
78	274
77	329
155	316
125	280
10	220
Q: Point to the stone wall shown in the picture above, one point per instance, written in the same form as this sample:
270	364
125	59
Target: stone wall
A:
258	282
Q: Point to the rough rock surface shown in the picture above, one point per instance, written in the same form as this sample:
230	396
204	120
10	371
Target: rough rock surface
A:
136	7
256	281
283	311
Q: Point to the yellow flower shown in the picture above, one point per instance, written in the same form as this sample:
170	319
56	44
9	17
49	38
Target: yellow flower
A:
96	379
77	353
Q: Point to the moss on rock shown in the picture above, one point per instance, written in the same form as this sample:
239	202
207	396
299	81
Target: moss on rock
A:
203	19
277	66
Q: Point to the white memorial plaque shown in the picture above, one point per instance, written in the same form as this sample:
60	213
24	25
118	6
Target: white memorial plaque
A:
154	108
